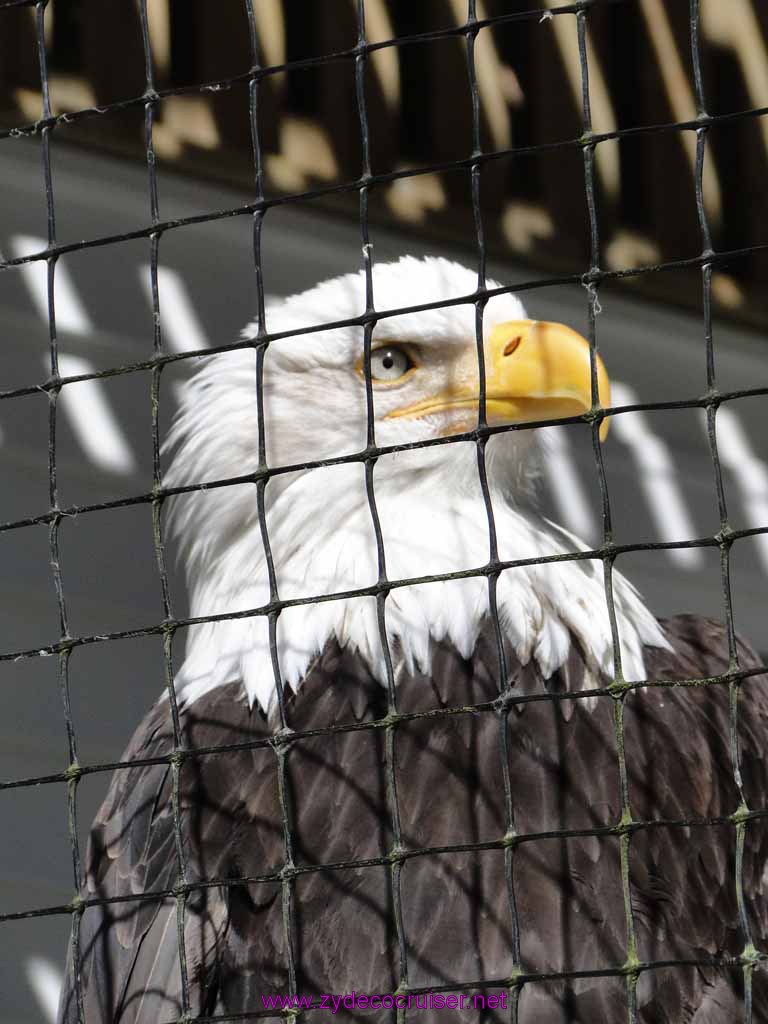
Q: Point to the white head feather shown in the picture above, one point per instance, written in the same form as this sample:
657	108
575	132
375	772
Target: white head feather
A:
433	518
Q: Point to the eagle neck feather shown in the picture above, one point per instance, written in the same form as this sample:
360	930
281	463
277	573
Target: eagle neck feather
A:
433	521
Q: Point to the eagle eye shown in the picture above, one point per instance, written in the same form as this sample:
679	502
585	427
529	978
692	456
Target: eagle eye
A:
390	362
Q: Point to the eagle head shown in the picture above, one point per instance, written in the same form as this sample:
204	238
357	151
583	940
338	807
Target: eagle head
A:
427	501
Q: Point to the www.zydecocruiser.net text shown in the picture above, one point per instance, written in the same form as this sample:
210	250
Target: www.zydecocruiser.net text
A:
401	1001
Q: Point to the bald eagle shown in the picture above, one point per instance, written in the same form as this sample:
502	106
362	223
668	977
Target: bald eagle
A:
422	794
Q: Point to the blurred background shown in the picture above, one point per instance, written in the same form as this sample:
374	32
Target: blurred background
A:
650	329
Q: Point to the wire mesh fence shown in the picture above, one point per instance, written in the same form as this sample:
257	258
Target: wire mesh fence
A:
473	167
530	94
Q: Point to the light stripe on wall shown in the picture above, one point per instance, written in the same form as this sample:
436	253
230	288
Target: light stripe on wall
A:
45	980
657	477
573	509
750	474
181	327
92	420
71	314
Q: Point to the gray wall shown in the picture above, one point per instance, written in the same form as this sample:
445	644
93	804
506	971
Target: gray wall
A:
110	582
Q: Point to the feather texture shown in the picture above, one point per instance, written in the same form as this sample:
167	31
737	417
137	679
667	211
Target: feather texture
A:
457	922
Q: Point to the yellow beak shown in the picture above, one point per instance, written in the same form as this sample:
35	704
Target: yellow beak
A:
539	371
534	371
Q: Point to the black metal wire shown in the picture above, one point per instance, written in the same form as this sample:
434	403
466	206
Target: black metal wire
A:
593	311
390	737
282	750
72	771
283	739
725	530
176	760
504	682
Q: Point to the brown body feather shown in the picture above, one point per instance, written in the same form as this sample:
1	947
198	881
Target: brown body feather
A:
458	911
